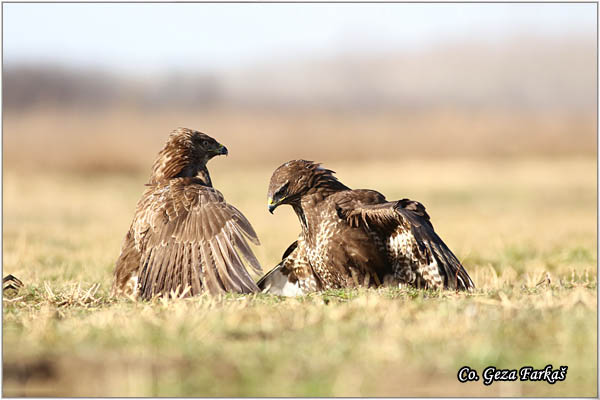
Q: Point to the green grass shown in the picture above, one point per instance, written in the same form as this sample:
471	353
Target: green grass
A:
512	223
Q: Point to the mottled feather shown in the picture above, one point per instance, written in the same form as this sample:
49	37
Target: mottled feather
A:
356	237
184	235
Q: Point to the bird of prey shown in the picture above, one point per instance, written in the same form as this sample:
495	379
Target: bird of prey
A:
355	238
185	238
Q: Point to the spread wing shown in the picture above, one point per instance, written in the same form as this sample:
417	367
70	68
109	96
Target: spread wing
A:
419	254
188	236
293	276
125	279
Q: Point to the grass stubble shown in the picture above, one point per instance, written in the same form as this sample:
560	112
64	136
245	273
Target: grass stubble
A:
525	230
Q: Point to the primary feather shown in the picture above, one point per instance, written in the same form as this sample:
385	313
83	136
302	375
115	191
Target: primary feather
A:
185	238
356	237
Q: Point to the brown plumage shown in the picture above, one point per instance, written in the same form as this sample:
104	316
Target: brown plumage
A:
184	236
355	238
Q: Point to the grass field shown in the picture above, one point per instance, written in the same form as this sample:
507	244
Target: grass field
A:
525	230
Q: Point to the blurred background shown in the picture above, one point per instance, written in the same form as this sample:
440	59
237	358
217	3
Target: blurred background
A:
100	86
485	113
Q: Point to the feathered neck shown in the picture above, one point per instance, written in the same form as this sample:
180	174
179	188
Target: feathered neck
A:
176	162
324	182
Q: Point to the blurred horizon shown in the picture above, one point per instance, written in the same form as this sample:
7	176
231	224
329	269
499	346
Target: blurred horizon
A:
485	113
100	86
158	37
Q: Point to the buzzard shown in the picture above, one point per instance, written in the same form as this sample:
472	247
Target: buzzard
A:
355	238
185	238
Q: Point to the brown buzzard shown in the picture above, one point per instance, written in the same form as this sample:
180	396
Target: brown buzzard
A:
355	238
184	236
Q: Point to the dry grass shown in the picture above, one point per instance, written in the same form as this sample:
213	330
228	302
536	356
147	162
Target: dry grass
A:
346	343
513	223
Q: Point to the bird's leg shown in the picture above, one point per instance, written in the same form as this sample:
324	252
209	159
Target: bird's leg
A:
367	280
389	280
376	279
354	276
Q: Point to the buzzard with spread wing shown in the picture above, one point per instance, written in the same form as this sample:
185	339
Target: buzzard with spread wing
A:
355	238
184	237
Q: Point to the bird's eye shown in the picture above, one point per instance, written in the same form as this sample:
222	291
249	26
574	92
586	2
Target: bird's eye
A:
205	143
282	189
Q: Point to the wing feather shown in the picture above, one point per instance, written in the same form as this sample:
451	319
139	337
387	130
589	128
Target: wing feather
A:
228	283
196	275
244	249
239	276
192	237
245	226
237	260
183	270
151	276
213	284
454	274
126	267
409	216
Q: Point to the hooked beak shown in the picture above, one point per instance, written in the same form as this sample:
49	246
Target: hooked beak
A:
222	151
272	205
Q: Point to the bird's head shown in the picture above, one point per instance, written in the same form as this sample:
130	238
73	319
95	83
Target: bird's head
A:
185	153
294	179
200	146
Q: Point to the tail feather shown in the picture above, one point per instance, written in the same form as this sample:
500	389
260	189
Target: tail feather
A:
281	282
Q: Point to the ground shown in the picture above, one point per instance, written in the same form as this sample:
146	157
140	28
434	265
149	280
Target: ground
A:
525	229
